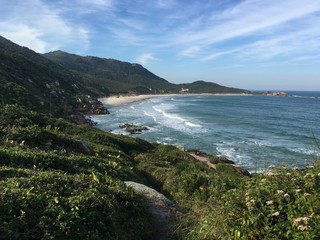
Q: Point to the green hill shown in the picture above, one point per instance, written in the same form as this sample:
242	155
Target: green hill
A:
112	75
209	87
29	79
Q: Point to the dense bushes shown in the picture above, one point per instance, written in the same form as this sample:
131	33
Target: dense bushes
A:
281	203
57	184
53	205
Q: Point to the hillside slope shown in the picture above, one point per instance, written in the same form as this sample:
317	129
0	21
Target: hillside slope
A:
29	79
113	75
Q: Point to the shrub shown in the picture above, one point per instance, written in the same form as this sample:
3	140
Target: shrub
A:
58	206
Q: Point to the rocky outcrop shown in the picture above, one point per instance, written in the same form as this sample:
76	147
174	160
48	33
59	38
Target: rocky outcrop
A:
243	171
133	129
220	159
162	211
87	106
92	106
276	94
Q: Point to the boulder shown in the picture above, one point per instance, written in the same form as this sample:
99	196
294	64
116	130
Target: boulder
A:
162	211
133	129
243	171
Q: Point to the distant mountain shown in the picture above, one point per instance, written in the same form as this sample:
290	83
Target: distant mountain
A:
209	87
112	75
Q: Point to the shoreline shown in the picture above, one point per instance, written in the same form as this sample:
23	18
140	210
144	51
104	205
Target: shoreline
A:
115	100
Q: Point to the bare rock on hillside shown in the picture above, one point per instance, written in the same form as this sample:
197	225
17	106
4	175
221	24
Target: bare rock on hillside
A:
162	211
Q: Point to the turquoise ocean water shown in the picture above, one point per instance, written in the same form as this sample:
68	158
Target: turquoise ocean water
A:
253	131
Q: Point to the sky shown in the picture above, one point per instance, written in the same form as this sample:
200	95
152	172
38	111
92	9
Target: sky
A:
250	44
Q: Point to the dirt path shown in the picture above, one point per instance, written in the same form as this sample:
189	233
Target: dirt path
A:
203	159
162	210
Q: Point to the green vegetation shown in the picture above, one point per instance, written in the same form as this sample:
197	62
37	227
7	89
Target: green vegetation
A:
281	203
56	183
59	180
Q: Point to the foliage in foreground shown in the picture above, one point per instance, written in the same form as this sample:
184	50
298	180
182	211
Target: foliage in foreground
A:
62	181
59	180
281	203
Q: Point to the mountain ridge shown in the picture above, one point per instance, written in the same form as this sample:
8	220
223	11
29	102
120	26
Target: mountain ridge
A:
107	70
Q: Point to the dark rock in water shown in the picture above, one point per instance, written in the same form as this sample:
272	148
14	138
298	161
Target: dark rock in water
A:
133	129
275	94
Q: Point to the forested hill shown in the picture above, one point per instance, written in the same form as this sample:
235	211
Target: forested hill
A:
113	75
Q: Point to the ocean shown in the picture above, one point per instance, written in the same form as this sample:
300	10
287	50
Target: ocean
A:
253	131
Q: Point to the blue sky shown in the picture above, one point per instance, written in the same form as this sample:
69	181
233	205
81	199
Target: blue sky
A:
252	44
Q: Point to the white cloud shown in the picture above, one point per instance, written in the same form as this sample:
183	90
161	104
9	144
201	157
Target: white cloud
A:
248	18
24	36
88	6
191	51
145	58
254	29
41	28
166	3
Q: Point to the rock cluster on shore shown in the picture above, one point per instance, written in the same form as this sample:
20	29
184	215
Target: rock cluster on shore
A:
281	94
133	129
88	106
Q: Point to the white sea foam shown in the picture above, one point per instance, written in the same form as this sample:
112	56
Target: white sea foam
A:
192	124
178	118
150	115
260	143
307	151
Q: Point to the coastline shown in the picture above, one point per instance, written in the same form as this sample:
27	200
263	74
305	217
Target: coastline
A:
124	99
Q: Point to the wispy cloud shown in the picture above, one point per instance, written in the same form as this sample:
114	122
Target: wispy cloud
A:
249	23
145	58
166	3
24	35
40	27
191	51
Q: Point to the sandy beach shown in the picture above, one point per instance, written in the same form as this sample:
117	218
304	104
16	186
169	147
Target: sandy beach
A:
123	99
